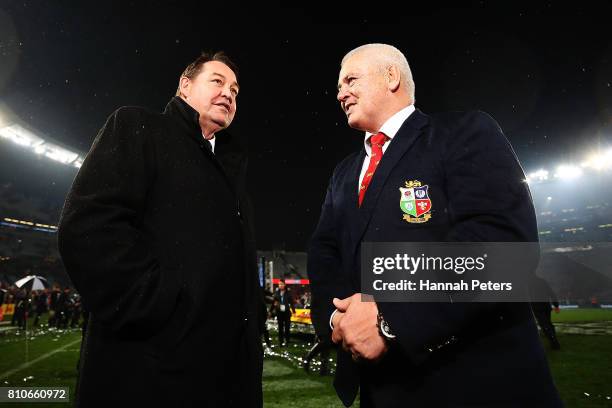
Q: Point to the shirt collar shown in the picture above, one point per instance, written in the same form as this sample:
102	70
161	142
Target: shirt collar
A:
212	141
391	126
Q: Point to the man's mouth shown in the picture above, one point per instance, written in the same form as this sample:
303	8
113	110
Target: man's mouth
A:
224	105
348	106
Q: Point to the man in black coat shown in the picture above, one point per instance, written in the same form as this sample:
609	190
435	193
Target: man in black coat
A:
154	229
471	188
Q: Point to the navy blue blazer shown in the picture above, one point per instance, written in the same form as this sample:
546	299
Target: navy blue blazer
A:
445	354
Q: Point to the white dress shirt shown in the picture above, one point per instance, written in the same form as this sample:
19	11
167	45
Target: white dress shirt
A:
389	128
212	142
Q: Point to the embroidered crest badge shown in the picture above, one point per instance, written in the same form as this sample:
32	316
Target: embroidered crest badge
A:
415	202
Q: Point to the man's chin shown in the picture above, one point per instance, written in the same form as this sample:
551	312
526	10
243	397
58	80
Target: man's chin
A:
222	122
354	123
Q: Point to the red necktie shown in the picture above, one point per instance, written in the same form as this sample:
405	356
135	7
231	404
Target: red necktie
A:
377	141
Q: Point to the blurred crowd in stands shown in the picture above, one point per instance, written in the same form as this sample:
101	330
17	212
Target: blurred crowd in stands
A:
29	205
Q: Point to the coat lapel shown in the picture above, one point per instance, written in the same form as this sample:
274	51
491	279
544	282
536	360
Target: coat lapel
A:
401	143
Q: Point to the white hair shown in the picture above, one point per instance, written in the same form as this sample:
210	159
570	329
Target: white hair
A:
387	55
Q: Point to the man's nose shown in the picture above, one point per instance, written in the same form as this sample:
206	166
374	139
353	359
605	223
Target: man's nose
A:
342	94
227	93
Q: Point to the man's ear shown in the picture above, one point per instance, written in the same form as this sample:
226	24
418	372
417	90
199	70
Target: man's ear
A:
185	87
393	78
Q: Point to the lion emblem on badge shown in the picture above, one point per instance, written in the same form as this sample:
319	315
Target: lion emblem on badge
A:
415	202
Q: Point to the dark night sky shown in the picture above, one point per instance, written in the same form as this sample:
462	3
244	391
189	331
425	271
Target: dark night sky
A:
543	72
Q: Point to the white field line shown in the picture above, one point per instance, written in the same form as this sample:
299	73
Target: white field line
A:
10	372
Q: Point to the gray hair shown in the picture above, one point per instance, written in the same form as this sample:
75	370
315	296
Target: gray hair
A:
387	55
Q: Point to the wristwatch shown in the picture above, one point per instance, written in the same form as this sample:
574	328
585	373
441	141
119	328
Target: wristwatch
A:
383	327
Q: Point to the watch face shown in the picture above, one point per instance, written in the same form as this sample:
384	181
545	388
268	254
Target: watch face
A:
385	330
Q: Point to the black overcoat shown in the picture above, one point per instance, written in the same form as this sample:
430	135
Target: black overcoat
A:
156	236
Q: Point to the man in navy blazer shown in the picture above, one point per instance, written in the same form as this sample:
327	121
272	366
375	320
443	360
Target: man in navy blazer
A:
422	354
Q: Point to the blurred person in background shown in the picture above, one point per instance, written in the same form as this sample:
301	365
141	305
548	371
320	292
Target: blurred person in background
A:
54	297
40	304
77	310
63	309
21	306
284	306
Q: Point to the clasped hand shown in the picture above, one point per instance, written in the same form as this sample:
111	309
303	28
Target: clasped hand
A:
355	327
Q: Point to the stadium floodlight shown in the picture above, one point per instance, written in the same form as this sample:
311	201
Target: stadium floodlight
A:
599	161
23	137
61	155
539	175
20	136
568	172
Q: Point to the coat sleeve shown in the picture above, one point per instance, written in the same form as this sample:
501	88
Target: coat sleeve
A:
101	239
325	268
489	201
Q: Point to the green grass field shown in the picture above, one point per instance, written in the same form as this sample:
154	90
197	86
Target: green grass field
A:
582	315
581	369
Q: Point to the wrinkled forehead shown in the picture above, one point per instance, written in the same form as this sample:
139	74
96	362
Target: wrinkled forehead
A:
218	67
356	64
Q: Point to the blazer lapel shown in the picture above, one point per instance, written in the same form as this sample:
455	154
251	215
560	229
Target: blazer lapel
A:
401	143
351	191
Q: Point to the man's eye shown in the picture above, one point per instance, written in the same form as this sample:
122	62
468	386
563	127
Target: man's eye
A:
217	81
351	81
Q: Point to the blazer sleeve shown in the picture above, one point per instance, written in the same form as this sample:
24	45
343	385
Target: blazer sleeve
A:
325	267
101	238
489	201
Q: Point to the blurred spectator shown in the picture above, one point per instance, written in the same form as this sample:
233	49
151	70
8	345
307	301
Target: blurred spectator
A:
305	300
76	310
21	304
40	304
284	307
53	305
64	309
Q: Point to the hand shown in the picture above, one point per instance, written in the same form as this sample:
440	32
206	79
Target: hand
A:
356	328
336	334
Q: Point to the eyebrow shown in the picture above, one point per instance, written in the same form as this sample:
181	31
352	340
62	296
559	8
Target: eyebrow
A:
344	78
224	78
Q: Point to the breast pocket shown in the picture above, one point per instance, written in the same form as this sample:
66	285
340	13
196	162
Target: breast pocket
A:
410	209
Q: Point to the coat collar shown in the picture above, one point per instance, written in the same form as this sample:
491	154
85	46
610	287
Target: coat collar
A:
230	154
185	116
188	120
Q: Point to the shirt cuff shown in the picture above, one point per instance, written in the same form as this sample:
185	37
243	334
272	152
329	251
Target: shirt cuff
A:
331	319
